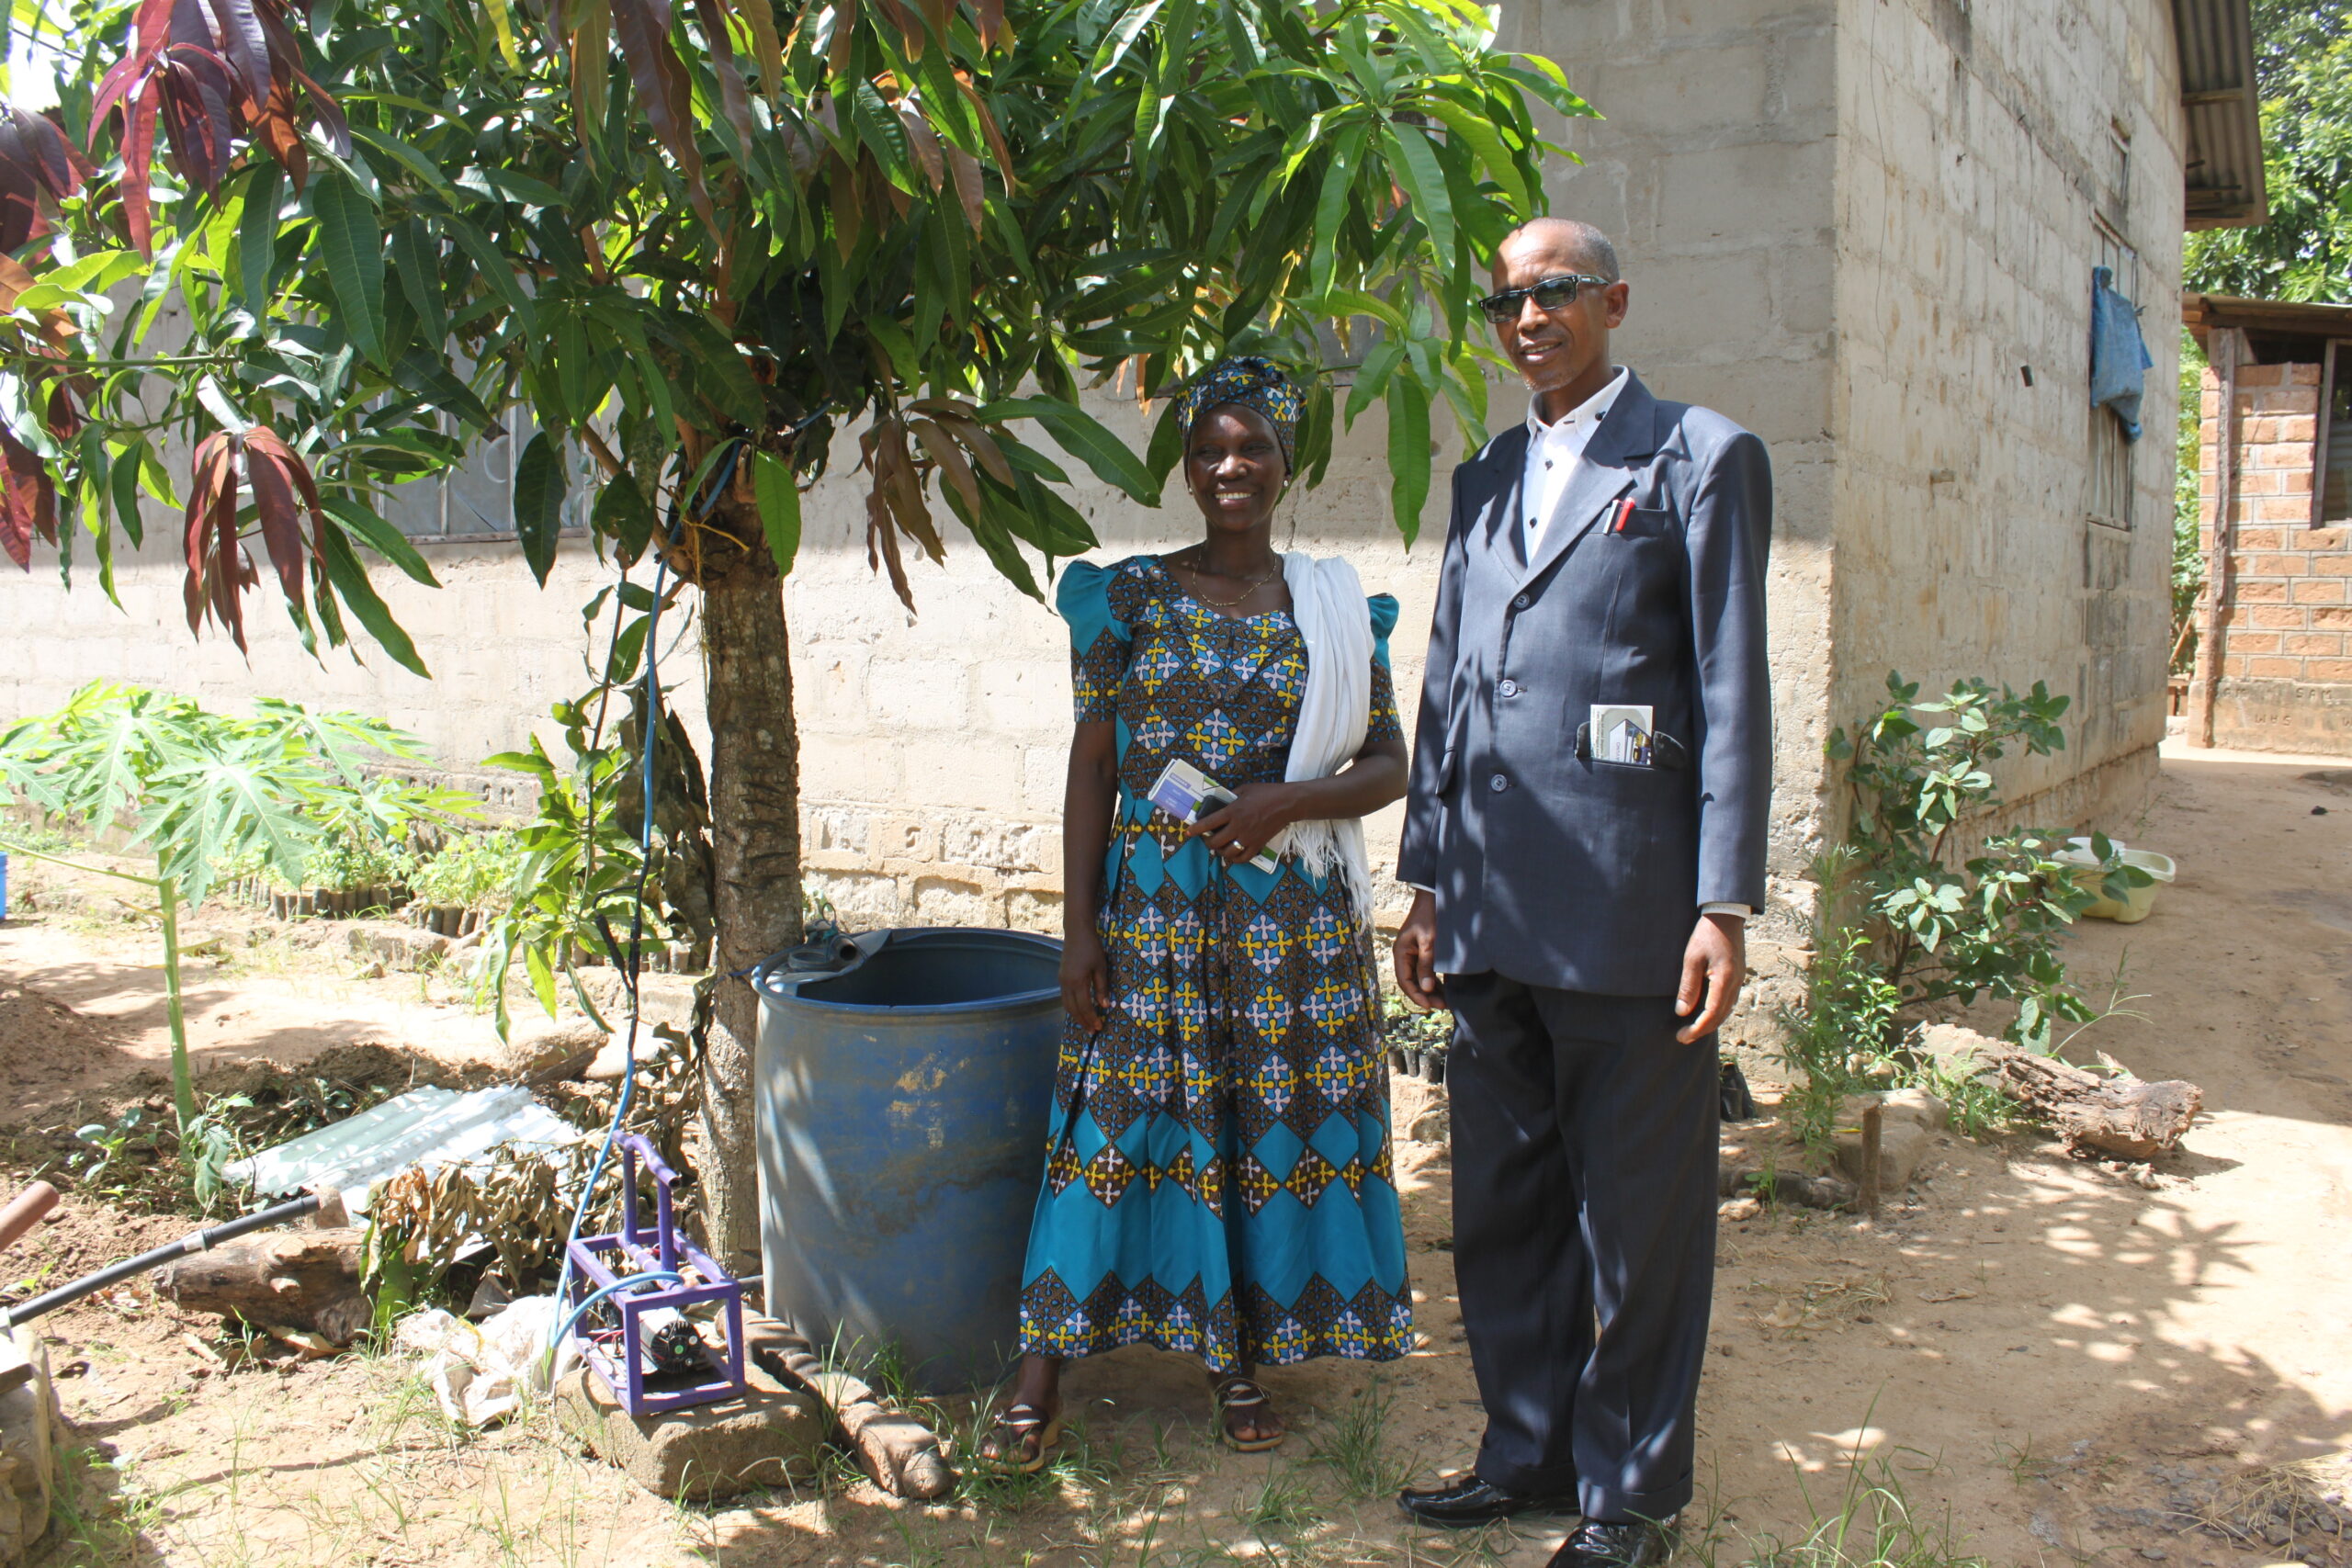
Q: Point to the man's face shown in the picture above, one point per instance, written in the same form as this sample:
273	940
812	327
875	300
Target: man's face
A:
1554	350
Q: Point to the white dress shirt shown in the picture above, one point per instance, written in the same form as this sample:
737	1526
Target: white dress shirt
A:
1555	452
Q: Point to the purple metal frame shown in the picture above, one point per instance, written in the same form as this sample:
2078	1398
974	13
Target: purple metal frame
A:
618	1357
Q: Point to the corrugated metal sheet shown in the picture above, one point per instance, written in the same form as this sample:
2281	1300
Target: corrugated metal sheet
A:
2222	103
428	1127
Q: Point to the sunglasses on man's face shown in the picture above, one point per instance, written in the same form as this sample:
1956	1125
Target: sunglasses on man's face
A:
1552	294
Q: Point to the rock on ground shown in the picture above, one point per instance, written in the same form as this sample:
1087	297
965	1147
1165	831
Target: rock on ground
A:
550	1051
394	945
769	1436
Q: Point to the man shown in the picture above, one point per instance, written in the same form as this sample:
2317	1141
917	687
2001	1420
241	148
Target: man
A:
1586	826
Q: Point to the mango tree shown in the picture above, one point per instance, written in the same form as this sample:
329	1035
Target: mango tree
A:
700	242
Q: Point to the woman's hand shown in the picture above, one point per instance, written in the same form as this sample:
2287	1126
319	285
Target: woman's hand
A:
1236	832
1086	978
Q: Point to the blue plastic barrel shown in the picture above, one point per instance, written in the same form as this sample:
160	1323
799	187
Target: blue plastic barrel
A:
903	1080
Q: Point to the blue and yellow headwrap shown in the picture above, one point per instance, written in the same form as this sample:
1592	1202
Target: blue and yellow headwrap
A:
1247	382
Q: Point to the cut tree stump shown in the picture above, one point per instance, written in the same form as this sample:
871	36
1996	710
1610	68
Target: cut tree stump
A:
2119	1116
297	1279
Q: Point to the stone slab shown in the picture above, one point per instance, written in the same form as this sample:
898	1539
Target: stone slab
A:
768	1438
28	1449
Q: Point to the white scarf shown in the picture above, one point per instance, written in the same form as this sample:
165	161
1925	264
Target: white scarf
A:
1335	622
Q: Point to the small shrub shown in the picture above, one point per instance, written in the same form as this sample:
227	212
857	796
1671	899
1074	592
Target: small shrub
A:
1910	927
473	871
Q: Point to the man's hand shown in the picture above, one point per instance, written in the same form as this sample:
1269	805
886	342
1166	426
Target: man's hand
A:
1416	952
1715	965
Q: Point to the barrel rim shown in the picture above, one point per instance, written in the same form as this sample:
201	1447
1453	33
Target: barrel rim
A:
764	974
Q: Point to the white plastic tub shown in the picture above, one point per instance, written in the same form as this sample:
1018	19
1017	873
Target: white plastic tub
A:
2141	902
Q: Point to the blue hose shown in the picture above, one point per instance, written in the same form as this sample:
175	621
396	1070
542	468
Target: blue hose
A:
572	1319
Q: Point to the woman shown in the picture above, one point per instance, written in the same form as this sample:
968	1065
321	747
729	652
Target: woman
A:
1218	1180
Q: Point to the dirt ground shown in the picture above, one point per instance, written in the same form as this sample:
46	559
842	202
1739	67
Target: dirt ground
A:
2055	1361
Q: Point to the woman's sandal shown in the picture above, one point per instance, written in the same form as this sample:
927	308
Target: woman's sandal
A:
1011	1434
1237	1393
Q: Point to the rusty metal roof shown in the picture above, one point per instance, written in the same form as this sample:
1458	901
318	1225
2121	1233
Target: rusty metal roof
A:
2223	107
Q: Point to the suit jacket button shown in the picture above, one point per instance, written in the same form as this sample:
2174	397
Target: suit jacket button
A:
1519	602
1508	688
1498	784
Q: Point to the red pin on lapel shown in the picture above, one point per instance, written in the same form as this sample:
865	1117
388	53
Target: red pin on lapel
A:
1625	515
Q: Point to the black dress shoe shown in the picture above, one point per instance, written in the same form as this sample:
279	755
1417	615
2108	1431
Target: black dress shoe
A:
1461	1505
1598	1545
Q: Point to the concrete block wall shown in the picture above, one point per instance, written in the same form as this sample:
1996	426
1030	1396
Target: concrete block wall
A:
1712	168
2286	630
1977	157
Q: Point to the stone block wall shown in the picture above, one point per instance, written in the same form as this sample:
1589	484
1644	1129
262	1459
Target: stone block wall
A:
2285	633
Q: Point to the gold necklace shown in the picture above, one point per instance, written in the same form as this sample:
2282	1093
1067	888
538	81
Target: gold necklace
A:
1229	604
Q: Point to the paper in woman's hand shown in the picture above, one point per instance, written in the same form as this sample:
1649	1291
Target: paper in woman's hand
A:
1183	791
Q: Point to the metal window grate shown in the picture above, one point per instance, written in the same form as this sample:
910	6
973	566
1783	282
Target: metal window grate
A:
476	501
2109	485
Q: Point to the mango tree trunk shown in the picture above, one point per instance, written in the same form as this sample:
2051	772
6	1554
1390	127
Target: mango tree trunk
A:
755	844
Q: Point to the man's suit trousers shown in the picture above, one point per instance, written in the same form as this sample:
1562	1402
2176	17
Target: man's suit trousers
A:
1585	1149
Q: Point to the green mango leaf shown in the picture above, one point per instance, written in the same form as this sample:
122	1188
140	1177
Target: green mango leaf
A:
354	247
350	579
539	487
1408	453
1083	437
779	499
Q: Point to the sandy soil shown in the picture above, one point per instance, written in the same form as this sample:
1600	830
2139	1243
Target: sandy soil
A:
2066	1363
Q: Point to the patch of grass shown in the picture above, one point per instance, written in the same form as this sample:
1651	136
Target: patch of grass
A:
1874	1524
1355	1446
100	1509
1283	1504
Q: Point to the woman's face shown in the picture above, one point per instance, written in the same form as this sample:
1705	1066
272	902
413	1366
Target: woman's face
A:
1234	467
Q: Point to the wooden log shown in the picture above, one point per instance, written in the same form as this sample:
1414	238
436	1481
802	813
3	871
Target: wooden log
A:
301	1280
2116	1116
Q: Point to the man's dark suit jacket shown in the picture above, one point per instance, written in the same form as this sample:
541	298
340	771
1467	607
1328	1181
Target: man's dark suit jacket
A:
1555	869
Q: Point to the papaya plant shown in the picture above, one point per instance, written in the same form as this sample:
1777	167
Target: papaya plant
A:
201	792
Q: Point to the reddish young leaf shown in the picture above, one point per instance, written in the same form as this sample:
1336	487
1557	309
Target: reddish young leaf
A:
27	500
992	13
64	419
139	162
882	544
643	29
926	144
281	525
211	537
733	100
237	33
969	192
997	148
38	165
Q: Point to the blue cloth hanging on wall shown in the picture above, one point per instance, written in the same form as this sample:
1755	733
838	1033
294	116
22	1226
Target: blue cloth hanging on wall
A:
2118	355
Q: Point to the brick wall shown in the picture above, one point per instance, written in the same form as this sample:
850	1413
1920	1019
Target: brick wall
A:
2286	629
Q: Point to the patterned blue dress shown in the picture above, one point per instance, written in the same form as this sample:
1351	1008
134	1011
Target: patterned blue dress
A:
1219	1177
